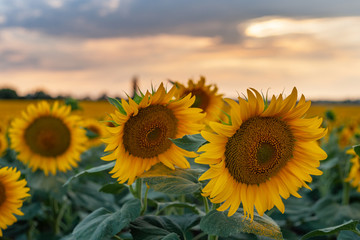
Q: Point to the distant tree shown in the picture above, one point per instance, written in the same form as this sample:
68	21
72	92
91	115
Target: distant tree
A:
102	97
8	93
38	95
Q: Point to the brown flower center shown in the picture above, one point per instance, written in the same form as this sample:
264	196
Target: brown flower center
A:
259	149
202	99
2	194
48	136
147	134
94	129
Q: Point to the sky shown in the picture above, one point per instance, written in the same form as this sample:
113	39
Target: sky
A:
95	47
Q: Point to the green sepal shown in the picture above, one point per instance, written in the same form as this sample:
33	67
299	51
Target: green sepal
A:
138	98
357	149
116	102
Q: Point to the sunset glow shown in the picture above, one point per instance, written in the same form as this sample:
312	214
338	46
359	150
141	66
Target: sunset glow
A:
318	55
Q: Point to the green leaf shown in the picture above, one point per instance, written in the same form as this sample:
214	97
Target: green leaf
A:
330	115
171	236
357	150
163	206
162	227
113	188
115	102
349	225
30	211
347	235
102	224
73	103
189	142
91	170
218	223
332	213
178	181
85	195
90	134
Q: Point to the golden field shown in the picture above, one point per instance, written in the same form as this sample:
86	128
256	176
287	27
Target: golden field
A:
344	113
99	109
93	109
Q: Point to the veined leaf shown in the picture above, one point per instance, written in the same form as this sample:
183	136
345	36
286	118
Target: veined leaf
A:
349	225
218	223
102	224
162	206
91	170
113	188
178	181
189	142
162	227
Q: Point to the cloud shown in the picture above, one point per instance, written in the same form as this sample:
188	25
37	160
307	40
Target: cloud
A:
319	65
106	7
2	19
55	3
32	58
324	29
137	18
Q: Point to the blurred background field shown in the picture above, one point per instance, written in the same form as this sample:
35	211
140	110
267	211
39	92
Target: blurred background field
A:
98	109
92	109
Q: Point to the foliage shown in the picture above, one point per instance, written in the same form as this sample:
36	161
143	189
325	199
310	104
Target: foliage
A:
86	203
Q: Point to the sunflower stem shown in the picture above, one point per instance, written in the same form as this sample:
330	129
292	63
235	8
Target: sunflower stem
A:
182	199
213	207
206	204
32	228
139	191
143	210
59	218
213	237
346	193
132	191
346	185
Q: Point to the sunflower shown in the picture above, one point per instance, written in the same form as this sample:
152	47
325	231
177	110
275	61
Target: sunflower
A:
354	175
12	194
48	138
96	131
206	98
264	153
140	138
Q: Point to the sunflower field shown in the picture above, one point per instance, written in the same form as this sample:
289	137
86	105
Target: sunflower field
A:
180	163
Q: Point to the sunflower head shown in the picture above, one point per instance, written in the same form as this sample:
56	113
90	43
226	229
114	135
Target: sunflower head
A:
12	194
95	131
206	97
48	137
268	151
143	129
354	174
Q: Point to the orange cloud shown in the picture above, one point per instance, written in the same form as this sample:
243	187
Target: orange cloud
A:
292	52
